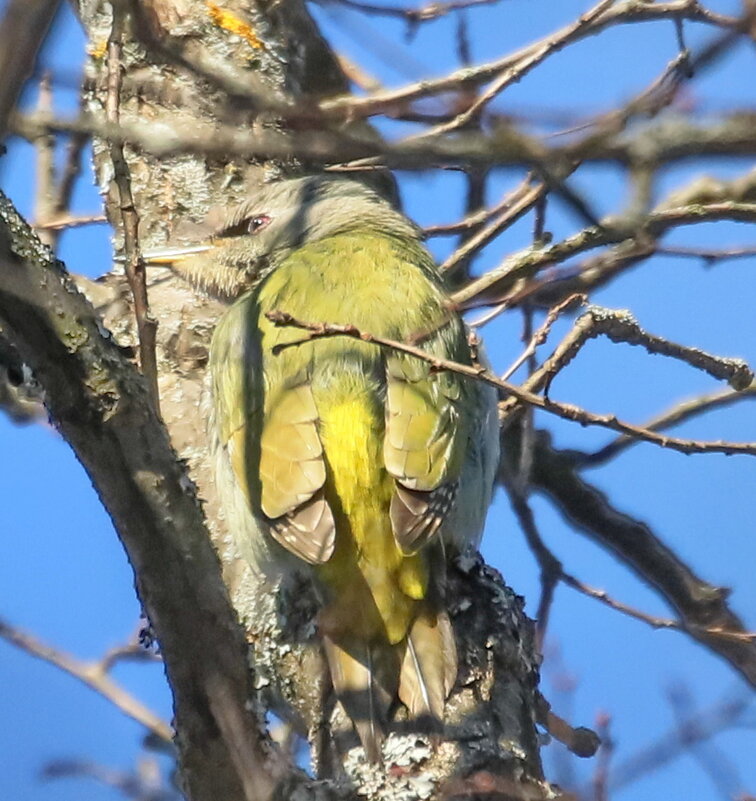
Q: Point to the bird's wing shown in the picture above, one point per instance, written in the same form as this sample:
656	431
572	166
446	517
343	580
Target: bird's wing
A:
292	474
268	424
423	447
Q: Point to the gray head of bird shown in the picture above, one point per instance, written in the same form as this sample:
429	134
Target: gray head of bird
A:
255	235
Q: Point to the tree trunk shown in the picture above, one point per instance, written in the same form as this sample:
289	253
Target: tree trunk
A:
191	66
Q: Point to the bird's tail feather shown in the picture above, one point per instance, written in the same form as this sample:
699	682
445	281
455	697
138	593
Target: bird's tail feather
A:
420	671
429	666
364	679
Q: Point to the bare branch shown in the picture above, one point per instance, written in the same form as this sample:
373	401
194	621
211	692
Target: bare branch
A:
519	202
566	411
505	146
22	32
540	336
601	773
101	407
54	193
69	221
705	196
622	13
133	262
131	651
583	278
553	572
712	760
550	566
413	16
44	196
93	674
708	255
701	727
475	198
580	740
521	68
357	75
71	171
652	620
477	218
139	785
620	326
648	103
676	415
701	606
510	276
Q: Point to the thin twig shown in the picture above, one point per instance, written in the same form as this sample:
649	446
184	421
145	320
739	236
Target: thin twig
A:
69	221
588	275
712	760
93	674
707	255
541	335
475	201
700	604
132	651
54	217
134	264
579	740
624	13
44	146
564	410
22	31
526	264
702	727
519	202
654	621
133	786
550	567
647	104
68	176
674	416
429	11
621	327
527	422
464	46
517	71
539	222
357	74
71	171
553	572
601	774
477	218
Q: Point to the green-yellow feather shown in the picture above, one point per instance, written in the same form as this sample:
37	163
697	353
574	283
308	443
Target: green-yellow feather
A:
349	419
353	463
384	286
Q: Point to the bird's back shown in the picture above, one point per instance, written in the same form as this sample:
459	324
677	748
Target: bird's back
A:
351	455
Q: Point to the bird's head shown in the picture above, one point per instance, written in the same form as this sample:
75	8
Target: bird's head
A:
255	235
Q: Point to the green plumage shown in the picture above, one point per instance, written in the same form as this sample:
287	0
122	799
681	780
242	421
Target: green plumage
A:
382	286
362	464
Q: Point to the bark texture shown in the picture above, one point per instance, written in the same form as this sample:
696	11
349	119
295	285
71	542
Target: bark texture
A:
185	61
100	405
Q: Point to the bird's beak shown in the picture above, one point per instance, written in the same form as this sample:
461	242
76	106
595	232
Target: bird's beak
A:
166	257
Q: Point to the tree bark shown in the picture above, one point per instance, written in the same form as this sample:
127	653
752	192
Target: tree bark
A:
185	62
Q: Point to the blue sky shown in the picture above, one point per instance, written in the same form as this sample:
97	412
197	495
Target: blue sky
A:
63	574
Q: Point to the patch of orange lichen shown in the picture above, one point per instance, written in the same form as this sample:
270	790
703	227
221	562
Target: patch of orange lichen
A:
230	22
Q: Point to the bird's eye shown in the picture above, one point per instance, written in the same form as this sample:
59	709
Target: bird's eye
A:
257	223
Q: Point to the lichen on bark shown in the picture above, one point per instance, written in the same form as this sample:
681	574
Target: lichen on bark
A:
492	710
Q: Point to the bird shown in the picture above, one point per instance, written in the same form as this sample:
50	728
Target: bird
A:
360	466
